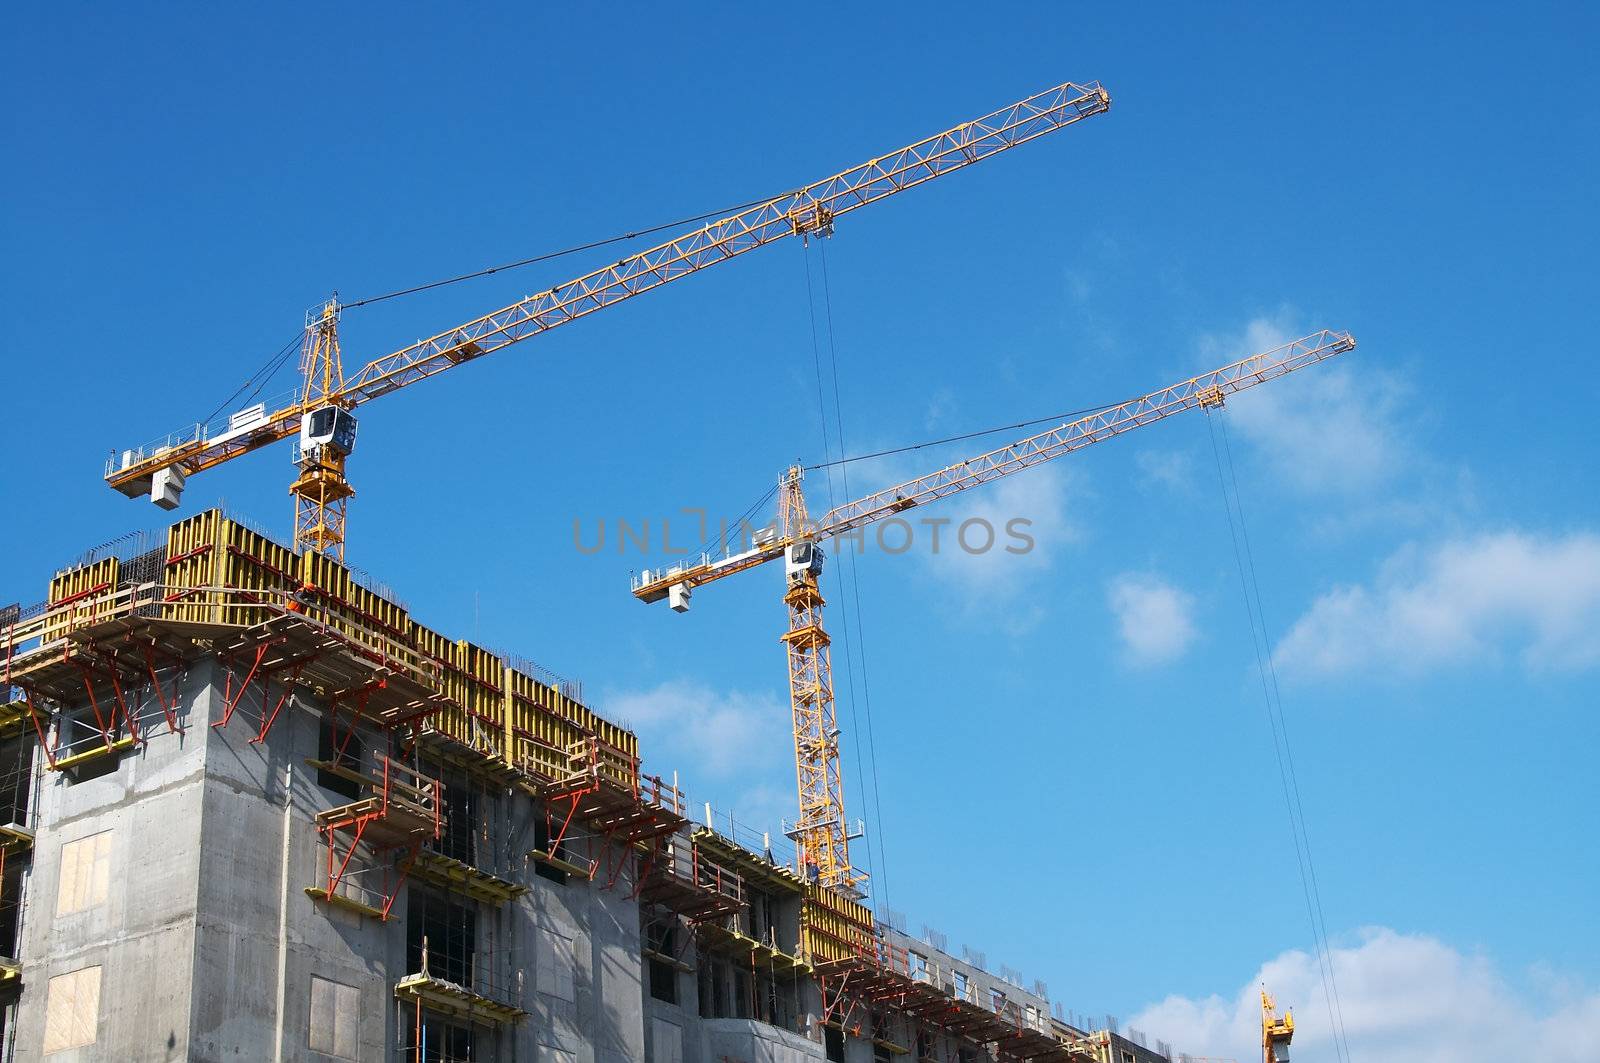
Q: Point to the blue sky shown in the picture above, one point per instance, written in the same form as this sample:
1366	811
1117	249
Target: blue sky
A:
1074	763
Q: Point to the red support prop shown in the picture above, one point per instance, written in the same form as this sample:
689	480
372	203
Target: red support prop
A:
94	703
270	718
405	870
230	700
122	703
335	878
647	865
355	721
558	838
622	862
44	743
168	709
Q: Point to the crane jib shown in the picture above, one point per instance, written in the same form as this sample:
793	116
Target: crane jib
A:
806	211
1201	391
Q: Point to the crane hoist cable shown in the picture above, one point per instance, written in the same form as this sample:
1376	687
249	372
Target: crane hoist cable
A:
1272	700
854	647
860	630
274	364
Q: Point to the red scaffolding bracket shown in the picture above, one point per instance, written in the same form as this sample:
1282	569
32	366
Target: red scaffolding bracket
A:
401	811
361	696
106	727
169	709
38	728
269	718
837	1003
230	699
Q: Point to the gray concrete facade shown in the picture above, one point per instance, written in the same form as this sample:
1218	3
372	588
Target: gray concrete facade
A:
207	943
174	877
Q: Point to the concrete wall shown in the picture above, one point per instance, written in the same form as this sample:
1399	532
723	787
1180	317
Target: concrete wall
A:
208	943
752	1042
142	935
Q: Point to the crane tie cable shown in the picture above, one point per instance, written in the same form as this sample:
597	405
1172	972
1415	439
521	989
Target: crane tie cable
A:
551	255
276	363
1060	417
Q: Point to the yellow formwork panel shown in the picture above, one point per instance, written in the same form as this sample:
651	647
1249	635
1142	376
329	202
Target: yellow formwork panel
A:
250	561
84	592
832	926
193	564
361	612
208	554
492	707
452	719
84	581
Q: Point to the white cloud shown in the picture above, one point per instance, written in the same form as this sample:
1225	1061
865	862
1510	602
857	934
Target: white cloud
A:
939	407
1462	600
1167	468
1332	428
710	737
1030	523
1154	619
985	547
1404	998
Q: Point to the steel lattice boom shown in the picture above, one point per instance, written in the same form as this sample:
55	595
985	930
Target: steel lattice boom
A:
820	833
1205	390
807	211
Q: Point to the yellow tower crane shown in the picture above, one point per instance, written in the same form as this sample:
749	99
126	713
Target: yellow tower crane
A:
1276	1031
319	413
822	838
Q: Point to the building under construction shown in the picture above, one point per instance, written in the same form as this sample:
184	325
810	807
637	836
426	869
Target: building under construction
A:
257	811
254	810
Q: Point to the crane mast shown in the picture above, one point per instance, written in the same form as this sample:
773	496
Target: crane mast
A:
821	834
322	492
1276	1031
320	412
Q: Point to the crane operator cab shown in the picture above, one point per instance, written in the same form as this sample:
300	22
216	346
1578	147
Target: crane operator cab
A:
330	430
801	560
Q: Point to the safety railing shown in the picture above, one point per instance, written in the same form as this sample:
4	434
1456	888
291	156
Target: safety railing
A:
198	432
215	606
958	985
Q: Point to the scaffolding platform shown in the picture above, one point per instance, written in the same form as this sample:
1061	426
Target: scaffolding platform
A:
884	979
126	640
675	878
15	838
401	813
456	1001
14	716
98	751
602	793
109	645
392	689
461	877
451	751
618	803
716	937
754	869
